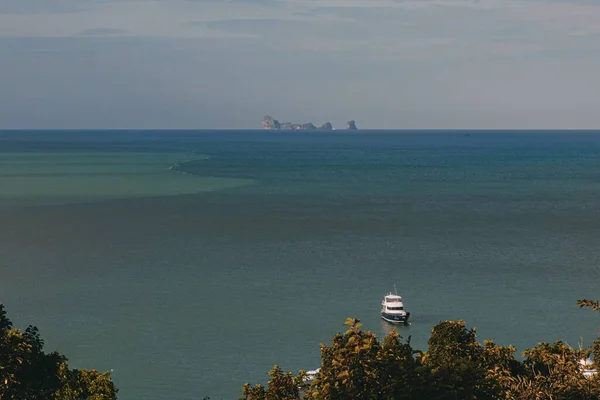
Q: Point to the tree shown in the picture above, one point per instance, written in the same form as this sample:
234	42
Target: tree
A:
593	304
350	367
398	377
455	366
595	349
281	386
28	373
501	367
552	372
355	366
85	385
358	366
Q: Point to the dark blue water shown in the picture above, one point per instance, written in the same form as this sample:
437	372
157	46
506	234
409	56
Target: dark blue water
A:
199	292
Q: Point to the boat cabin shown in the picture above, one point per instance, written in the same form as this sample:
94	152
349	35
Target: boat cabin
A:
393	302
392	309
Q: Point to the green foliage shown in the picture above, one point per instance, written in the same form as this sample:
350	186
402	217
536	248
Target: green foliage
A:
5	323
593	304
552	371
398	378
501	366
595	350
350	367
455	366
281	386
28	373
85	385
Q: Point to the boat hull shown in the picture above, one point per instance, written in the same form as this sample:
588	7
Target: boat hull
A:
395	318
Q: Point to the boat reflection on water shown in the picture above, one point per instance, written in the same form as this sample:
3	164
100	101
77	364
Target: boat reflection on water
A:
387	328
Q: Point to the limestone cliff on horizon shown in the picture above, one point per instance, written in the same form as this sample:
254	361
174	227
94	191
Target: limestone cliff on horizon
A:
270	123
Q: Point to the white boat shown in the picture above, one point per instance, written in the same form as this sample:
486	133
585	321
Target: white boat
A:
311	375
392	309
587	367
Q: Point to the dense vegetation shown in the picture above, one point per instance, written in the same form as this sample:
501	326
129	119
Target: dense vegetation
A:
29	373
456	366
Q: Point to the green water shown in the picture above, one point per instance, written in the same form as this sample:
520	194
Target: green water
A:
60	177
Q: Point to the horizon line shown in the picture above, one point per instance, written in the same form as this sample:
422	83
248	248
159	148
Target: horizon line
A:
287	132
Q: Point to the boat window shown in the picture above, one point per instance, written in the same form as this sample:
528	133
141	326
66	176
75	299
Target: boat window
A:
392	299
395	308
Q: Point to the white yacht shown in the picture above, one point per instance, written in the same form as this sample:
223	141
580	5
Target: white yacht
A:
587	367
392	309
311	375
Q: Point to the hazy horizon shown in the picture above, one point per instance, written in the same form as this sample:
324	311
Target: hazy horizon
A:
208	64
300	132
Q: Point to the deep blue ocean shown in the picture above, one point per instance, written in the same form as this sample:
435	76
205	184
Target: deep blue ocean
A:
190	262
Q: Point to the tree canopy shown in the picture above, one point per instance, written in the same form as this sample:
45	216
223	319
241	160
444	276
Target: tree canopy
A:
357	365
27	372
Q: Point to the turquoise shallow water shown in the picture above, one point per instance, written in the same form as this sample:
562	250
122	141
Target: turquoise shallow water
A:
257	245
71	177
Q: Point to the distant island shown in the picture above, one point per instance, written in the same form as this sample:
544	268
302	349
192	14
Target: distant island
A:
270	123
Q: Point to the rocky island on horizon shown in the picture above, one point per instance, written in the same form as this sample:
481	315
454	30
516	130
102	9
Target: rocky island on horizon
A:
270	123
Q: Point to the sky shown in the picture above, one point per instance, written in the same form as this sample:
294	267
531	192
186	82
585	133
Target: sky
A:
224	64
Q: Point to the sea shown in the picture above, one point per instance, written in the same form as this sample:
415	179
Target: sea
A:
190	262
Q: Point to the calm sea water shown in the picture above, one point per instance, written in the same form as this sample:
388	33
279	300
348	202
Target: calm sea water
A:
191	262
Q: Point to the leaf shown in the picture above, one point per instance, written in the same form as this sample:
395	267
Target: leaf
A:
593	304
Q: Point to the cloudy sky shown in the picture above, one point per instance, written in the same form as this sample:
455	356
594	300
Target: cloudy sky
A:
226	63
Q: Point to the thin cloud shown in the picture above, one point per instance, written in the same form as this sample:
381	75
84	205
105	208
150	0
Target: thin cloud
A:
29	7
103	32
